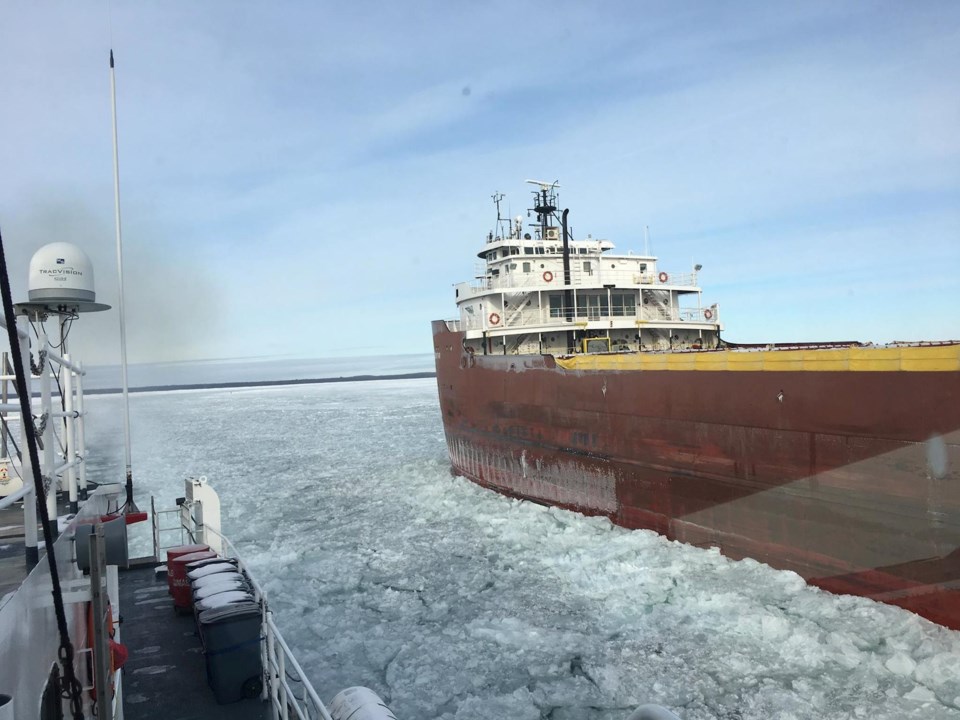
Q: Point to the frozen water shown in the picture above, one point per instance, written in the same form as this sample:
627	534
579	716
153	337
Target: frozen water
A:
453	602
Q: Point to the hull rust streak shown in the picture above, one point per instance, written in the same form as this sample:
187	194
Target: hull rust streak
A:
845	480
599	382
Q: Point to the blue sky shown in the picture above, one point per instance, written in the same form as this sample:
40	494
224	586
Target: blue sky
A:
310	179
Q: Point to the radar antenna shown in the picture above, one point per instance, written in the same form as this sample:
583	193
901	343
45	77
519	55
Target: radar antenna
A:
545	203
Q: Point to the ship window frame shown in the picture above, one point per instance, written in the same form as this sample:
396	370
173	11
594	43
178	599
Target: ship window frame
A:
623	304
592	306
555	302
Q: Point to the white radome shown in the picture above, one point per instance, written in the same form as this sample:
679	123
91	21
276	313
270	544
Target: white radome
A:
61	276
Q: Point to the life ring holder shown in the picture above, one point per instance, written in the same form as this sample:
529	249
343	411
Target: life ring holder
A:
118	653
708	314
548	276
663	277
494	319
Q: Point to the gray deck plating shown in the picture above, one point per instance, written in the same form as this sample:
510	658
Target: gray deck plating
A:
165	675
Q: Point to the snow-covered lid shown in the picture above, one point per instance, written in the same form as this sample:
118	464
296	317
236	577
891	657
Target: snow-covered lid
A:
228	612
230	597
230	582
211	569
185	550
194	556
215	579
201	560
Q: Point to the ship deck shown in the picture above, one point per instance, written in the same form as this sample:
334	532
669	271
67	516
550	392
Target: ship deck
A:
165	675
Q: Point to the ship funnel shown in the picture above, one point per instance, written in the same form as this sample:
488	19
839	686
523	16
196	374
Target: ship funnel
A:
61	277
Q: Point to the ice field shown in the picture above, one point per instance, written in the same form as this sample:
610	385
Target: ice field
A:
453	602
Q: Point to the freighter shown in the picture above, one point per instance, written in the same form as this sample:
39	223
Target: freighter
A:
599	382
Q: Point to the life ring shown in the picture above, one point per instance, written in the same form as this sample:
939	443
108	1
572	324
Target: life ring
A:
663	277
708	314
118	652
548	276
494	319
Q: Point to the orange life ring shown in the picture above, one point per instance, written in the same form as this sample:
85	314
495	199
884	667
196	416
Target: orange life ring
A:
708	314
663	277
494	319
548	276
118	652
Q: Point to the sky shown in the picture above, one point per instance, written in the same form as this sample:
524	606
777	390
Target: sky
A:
309	179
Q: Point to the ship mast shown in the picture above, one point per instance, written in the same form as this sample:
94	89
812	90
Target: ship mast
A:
545	199
131	507
544	207
497	197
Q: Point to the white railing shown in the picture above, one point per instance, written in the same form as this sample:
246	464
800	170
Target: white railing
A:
290	695
61	458
546	318
597	277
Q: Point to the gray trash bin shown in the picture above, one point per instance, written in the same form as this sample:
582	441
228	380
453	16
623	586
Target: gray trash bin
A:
231	645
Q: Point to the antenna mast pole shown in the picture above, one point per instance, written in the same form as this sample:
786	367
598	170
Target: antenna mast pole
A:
130	505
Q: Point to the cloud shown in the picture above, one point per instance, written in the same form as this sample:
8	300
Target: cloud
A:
317	178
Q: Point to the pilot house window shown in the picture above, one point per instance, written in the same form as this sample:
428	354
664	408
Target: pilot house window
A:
556	306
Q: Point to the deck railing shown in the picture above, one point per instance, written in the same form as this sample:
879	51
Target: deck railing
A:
597	277
60	430
565	319
286	687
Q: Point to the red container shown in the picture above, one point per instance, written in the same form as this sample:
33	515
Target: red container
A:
176	552
177	576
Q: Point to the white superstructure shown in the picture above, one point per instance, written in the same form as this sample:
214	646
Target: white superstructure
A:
529	296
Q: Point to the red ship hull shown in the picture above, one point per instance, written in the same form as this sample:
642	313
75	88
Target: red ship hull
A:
850	479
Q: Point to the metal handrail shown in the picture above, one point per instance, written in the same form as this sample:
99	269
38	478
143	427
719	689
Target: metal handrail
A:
278	689
279	678
61	468
598	277
10	499
545	317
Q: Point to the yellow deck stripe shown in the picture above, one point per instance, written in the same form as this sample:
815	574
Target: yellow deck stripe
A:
922	358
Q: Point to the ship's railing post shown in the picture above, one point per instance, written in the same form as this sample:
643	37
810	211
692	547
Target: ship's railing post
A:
69	444
99	602
30	534
281	673
268	665
47	437
196	514
81	435
155	529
